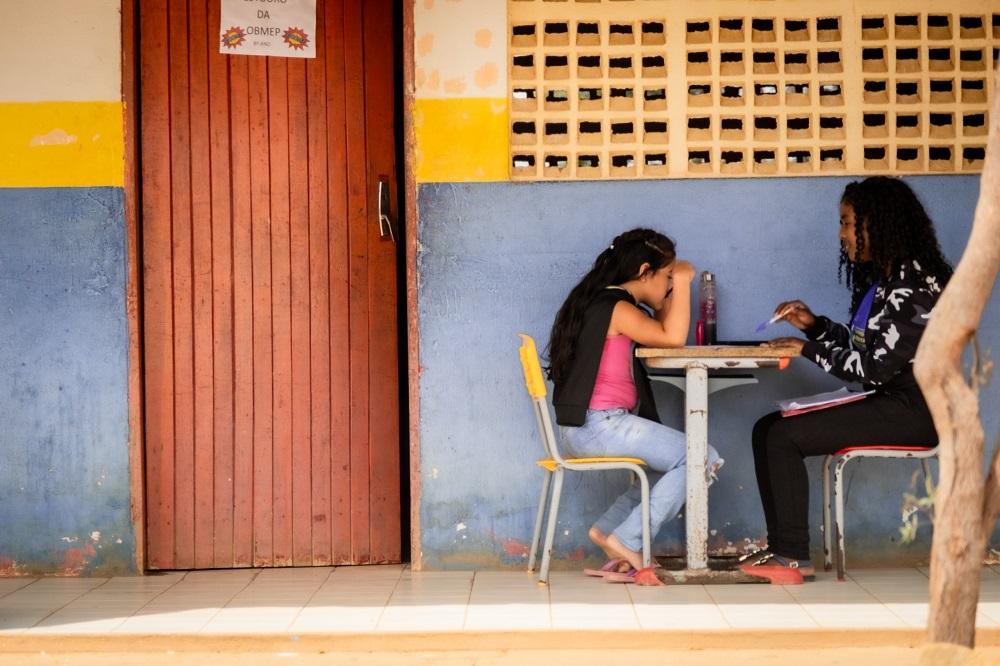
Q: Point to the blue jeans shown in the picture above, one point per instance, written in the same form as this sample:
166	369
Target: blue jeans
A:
616	432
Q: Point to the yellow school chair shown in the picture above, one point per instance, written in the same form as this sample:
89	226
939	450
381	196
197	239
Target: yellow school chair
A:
556	464
839	460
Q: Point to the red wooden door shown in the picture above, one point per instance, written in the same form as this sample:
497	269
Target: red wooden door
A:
269	293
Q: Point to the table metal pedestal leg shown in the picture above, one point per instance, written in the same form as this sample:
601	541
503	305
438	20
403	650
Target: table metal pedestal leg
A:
696	425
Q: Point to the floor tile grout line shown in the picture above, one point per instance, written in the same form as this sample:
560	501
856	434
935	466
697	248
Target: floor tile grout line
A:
388	599
18	589
881	602
68	603
468	600
154	598
311	597
201	629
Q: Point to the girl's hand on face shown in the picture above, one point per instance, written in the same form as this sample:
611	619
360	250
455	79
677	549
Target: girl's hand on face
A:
795	313
682	270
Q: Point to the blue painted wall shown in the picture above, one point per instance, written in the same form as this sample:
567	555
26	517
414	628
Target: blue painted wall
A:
498	258
64	478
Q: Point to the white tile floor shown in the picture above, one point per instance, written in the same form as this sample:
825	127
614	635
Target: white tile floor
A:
395	599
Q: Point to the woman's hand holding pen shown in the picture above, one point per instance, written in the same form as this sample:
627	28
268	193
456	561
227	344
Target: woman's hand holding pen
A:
795	313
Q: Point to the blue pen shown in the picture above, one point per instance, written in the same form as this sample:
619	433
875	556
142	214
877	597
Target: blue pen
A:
764	324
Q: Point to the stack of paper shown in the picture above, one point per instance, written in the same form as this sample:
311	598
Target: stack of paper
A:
811	403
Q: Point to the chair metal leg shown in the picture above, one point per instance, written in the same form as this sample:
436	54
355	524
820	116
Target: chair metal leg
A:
838	519
538	520
646	537
827	527
550	530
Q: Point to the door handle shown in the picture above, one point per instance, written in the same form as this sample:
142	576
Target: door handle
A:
384	210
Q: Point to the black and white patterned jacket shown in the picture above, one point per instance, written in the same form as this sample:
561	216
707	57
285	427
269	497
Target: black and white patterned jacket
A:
899	314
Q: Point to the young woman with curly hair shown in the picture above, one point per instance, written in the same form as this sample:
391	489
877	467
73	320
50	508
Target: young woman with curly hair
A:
895	270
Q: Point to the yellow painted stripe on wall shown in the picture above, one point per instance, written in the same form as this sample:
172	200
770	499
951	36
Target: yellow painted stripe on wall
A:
461	140
61	144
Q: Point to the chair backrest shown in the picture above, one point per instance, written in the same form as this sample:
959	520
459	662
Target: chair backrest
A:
534	381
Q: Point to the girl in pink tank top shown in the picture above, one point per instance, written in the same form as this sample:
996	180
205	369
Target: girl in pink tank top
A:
602	396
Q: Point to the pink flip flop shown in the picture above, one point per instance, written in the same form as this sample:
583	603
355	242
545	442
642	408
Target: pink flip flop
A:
645	576
610	567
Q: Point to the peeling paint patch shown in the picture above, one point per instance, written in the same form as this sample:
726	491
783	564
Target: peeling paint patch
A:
57	137
514	548
9	567
460	527
576	555
75	559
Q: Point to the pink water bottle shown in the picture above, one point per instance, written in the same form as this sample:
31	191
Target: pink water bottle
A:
707	309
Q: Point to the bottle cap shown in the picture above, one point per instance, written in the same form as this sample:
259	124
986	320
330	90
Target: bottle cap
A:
706	276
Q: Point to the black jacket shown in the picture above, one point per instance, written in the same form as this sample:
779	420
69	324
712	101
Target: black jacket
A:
899	315
571	397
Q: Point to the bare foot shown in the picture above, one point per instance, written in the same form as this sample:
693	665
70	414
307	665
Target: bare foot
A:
618	549
600	539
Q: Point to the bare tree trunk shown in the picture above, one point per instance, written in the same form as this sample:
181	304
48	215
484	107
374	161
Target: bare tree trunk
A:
965	510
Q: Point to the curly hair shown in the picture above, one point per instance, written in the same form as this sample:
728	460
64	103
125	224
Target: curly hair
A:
619	263
898	230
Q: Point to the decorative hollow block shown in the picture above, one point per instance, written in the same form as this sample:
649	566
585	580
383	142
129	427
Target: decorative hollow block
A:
699	160
974	124
765	161
699	128
524	99
762	30
797	30
873	28
831	127
732	128
909	158
621	99
941	158
874	125
620	34
906	26
908	125
654	99
731	30
829	62
732	161
699	32
832	159
798	127
556	33
799	160
939	26
655	165
588	33
523	34
973	158
876	158
654	33
731	63
622	165
971	27
828	29
941	125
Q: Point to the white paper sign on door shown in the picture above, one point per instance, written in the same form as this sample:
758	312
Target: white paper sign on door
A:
268	28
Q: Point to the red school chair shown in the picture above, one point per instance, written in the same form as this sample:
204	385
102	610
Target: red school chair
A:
839	460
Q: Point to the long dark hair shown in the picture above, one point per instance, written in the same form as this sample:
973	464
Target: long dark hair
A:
619	263
899	230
